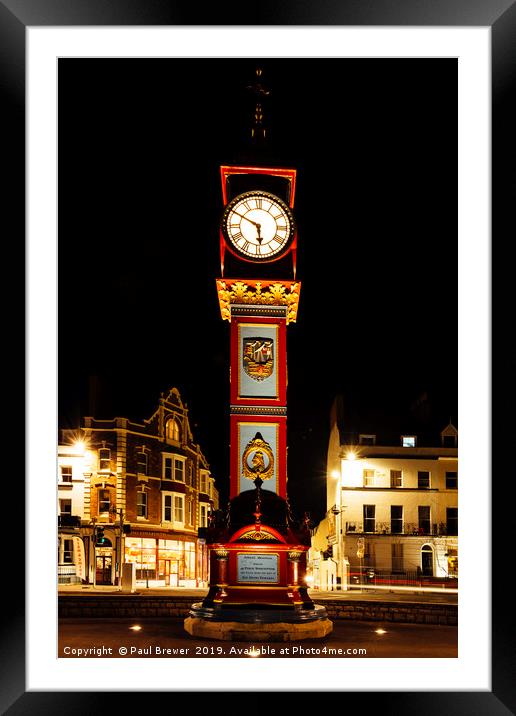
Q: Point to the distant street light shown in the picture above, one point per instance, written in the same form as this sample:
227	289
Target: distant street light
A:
79	446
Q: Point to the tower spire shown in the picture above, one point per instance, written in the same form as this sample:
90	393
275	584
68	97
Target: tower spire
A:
260	92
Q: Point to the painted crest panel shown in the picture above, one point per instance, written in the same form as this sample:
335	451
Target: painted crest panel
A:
257	368
258	451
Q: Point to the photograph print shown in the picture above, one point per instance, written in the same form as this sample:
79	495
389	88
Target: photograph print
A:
257	370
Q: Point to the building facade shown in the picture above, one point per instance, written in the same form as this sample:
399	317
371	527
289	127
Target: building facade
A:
139	493
392	510
71	470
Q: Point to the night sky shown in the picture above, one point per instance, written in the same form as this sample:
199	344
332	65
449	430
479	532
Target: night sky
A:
375	145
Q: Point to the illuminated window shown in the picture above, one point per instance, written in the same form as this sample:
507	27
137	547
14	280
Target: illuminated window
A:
369	518
141	459
141	504
173	430
66	473
408	441
141	552
451	480
453	563
423	479
104	501
203	515
368	478
104	458
396	478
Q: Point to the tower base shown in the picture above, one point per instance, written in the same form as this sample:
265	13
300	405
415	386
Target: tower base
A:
257	625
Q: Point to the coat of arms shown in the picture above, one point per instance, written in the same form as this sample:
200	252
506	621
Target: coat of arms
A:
258	357
258	459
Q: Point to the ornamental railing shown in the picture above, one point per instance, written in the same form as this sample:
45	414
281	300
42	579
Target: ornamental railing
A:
440	529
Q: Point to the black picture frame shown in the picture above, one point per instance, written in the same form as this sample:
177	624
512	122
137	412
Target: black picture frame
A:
500	16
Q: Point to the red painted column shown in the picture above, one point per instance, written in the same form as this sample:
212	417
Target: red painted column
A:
250	404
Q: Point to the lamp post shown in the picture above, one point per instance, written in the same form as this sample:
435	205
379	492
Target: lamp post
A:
93	550
347	474
339	528
120	514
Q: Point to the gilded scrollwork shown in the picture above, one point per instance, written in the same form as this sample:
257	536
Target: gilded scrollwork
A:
258	293
258	536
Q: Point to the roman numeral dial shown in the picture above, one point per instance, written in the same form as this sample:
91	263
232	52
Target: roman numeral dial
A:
258	226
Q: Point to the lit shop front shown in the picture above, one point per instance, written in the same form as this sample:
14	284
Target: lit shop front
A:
165	562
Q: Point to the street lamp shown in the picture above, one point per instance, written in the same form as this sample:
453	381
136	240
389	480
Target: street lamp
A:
338	512
91	549
348	459
350	470
120	514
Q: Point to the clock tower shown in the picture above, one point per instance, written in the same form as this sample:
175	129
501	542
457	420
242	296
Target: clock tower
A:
257	548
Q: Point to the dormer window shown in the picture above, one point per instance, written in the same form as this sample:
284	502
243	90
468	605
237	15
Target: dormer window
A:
449	436
367	439
173	430
408	441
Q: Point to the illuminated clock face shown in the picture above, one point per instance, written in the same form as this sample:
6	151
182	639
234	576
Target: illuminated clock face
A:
258	226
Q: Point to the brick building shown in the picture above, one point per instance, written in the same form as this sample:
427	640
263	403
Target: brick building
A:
148	487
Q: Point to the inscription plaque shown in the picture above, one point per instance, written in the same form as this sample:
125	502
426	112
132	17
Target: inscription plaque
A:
257	568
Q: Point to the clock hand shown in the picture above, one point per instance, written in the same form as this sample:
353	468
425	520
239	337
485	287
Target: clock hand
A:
245	217
259	228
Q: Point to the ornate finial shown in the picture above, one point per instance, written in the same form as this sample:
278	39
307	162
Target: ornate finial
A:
258	130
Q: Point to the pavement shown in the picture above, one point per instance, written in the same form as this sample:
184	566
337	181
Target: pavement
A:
135	637
380	595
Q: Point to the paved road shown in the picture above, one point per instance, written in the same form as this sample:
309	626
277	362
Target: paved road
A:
105	637
354	594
